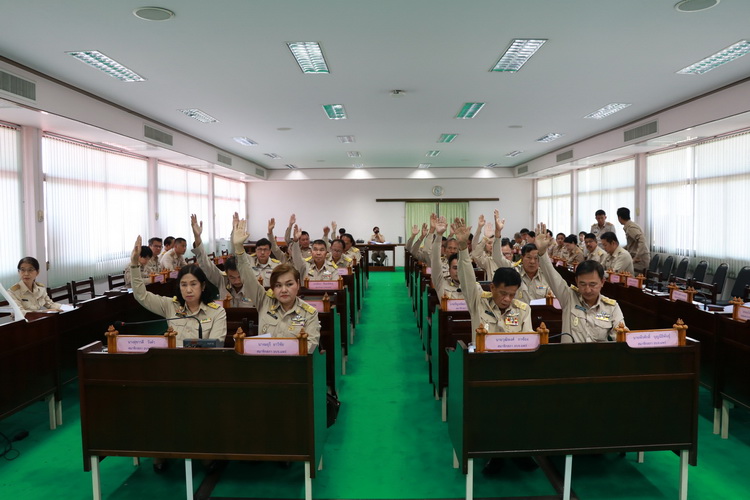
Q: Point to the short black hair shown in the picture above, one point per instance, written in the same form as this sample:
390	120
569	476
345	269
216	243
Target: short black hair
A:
584	233
146	252
196	271
589	266
180	240
571	238
342	231
528	247
523	231
168	240
623	213
532	234
609	237
504	242
320	242
30	261
506	276
263	242
152	240
589	236
563	235
304	233
337	240
230	264
601	212
452	258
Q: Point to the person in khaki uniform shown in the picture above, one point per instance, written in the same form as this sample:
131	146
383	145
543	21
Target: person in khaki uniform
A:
496	310
601	226
450	287
481	252
349	249
228	281
275	250
573	254
28	294
593	250
155	244
146	265
587	315
336	256
636	244
558	251
417	250
280	312
175	258
191	305
315	267
303	240
617	257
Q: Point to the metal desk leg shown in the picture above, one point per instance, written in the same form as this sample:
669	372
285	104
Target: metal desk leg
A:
308	482
189	478
51	410
641	457
455	459
470	481
445	404
568	474
717	420
58	412
725	406
684	455
95	480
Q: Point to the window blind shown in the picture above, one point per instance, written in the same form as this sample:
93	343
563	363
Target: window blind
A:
181	193
11	244
606	187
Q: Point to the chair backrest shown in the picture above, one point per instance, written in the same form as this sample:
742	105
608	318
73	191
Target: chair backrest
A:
82	287
653	266
667	266
61	293
191	260
115	280
700	271
720	277
743	280
681	271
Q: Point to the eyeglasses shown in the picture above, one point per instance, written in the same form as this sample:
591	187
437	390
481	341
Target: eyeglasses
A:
26	270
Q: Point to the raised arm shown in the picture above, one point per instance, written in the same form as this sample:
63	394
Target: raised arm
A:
437	277
465	270
154	303
558	285
213	273
297	259
288	233
249	278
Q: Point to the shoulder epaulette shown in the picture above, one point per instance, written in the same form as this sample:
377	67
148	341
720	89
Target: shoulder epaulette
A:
275	261
307	259
574	288
213	305
15	287
334	265
521	305
174	299
223	273
609	301
347	259
486	295
269	293
516	264
254	254
307	307
355	249
40	284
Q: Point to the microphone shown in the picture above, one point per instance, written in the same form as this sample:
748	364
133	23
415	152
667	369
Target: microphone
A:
561	334
120	324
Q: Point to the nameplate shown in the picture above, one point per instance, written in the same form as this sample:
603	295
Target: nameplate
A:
319	305
556	303
271	346
511	342
652	338
743	313
221	260
323	285
173	274
456	305
159	278
559	263
139	343
634	282
344	271
680	295
615	278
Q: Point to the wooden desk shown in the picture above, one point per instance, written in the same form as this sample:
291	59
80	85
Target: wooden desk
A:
732	385
602	397
384	247
210	404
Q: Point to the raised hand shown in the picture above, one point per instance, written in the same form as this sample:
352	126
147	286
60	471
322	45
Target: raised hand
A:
292	220
462	233
424	229
543	239
136	252
326	230
334	227
271	225
441	225
489	231
297	233
414	230
197	227
499	224
239	233
481	222
433	222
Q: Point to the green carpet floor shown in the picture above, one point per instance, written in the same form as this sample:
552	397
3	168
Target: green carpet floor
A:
389	442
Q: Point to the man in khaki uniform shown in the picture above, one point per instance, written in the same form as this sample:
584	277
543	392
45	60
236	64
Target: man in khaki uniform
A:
275	250
558	251
496	310
175	258
450	287
593	250
155	244
262	262
146	265
336	255
617	258
587	315
601	226
349	249
573	254
481	252
636	244
314	267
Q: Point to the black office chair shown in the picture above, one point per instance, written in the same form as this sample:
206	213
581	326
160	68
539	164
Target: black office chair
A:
720	277
666	268
653	266
700	271
740	286
679	276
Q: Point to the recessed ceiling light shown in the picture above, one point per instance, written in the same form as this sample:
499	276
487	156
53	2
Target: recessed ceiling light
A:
729	54
470	110
290	166
97	60
549	137
199	115
432	153
695	5
358	165
520	50
425	165
491	165
245	141
513	153
153	14
346	139
353	154
309	56
335	111
447	137
607	110
273	156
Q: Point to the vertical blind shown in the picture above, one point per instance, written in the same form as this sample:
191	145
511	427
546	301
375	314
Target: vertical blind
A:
608	188
418	213
182	192
553	204
96	204
229	197
11	244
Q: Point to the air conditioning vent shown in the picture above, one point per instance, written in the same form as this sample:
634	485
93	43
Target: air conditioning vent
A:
17	86
157	135
260	172
224	159
522	170
567	155
641	131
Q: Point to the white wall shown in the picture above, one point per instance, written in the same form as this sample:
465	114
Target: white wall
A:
352	204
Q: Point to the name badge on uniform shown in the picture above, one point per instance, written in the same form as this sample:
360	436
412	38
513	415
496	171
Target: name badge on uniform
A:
602	316
581	308
488	312
206	320
272	315
540	287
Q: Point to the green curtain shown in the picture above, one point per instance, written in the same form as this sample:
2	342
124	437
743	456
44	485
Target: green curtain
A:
452	210
418	213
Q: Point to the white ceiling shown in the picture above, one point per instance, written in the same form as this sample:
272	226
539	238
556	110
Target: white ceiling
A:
229	58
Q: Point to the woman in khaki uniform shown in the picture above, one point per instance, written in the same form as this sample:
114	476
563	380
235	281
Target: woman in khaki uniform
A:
30	295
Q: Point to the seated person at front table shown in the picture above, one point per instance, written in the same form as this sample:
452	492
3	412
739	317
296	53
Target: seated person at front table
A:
534	282
378	256
349	249
496	310
304	240
587	315
174	258
593	250
617	258
228	282
573	254
168	245
337	257
280	312
582	241
315	267
155	245
558	251
192	304
146	265
28	294
450	287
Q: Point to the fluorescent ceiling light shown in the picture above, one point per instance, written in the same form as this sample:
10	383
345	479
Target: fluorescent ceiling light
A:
290	166
432	153
273	156
470	110
309	56
729	54
245	141
513	153
520	50
358	165
447	137
607	110
199	115
346	139
549	137
491	165
425	165
97	60
335	111
353	154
